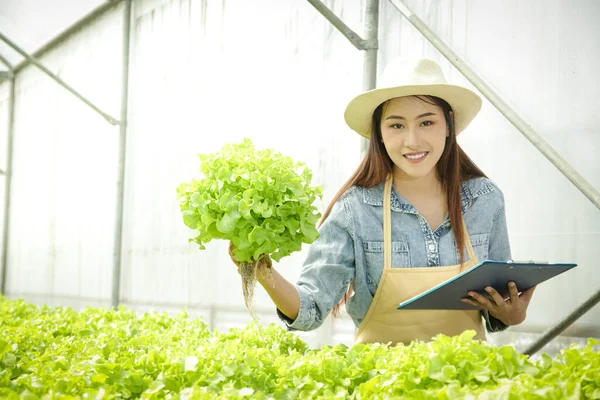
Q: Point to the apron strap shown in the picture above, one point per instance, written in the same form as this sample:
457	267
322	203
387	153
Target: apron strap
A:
387	227
468	244
387	223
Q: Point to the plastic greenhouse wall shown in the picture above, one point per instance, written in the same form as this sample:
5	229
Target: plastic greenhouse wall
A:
207	73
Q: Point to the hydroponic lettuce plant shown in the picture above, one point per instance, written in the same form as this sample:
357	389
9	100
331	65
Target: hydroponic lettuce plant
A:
97	353
259	200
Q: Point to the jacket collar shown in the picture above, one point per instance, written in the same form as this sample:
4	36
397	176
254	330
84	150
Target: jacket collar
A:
469	191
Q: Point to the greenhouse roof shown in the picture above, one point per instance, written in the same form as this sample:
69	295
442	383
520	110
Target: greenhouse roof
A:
31	24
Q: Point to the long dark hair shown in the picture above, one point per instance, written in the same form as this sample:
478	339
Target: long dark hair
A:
453	168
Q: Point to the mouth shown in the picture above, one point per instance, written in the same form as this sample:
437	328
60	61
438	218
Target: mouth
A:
416	157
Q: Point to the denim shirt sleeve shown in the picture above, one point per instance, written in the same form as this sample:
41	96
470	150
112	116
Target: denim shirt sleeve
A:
499	250
327	271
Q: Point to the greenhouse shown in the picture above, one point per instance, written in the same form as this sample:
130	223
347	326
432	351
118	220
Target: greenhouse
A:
134	132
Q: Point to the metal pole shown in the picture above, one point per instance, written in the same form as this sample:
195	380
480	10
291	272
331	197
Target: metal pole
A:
38	64
352	36
8	177
370	59
118	238
579	181
11	69
562	325
370	44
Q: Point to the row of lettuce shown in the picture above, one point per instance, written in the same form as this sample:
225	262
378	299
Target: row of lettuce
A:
59	353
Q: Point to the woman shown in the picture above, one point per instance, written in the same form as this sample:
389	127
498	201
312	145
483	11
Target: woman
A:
416	212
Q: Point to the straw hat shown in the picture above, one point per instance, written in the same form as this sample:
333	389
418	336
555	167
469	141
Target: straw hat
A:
408	78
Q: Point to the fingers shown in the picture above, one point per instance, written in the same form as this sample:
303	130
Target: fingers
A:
233	257
511	313
471	302
527	294
265	260
481	301
514	292
499	300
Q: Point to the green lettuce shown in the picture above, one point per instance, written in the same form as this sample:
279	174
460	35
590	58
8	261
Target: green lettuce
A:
260	200
58	353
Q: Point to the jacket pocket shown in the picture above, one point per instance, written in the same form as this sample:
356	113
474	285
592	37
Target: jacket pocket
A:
481	245
374	260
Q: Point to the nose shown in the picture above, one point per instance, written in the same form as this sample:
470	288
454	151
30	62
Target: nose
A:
412	138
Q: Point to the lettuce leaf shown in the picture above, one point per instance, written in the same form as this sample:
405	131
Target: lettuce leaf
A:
260	200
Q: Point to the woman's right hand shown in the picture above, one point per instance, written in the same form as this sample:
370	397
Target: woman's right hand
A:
263	268
283	293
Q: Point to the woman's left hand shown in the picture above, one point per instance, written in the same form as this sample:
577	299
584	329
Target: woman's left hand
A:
511	311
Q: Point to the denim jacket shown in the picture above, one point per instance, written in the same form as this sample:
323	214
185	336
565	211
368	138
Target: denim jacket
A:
350	247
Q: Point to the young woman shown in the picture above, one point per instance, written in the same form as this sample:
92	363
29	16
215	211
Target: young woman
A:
416	212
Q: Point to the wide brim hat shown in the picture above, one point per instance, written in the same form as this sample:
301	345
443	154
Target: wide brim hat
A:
411	78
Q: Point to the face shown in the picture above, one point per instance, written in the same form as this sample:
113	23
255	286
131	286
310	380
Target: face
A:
414	134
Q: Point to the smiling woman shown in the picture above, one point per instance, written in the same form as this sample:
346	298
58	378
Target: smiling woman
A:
428	164
416	142
406	220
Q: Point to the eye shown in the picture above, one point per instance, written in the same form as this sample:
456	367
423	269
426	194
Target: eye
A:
426	123
397	126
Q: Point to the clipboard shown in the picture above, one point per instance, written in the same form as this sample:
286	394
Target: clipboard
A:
497	274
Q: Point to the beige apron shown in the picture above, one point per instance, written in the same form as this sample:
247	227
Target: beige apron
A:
384	323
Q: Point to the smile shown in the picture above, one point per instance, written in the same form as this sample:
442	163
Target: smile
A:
416	157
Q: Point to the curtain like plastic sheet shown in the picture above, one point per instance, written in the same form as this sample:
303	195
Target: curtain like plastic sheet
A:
64	172
206	73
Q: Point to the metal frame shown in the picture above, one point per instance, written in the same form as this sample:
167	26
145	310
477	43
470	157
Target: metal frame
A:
122	151
353	37
62	83
556	330
8	173
369	45
120	182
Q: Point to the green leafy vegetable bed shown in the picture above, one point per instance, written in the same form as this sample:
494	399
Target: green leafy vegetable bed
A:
59	353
